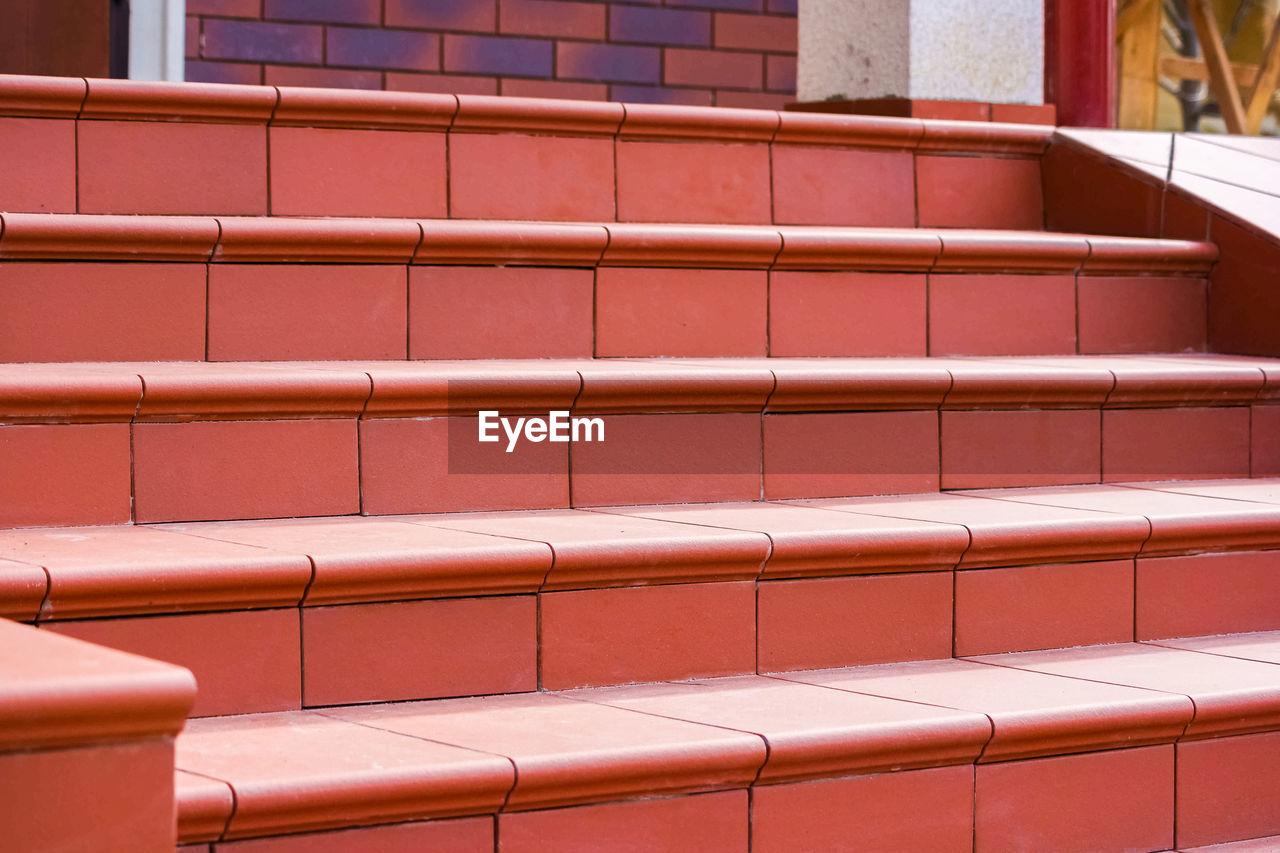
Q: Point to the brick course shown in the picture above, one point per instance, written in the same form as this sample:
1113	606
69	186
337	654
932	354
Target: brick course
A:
705	52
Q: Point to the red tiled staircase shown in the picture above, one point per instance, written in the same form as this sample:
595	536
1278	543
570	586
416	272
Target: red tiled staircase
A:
915	526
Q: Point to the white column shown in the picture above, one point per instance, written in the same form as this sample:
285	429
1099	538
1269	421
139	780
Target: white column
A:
157	39
968	50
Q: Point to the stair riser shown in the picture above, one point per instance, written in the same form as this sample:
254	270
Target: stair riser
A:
287	658
88	474
167	167
77	311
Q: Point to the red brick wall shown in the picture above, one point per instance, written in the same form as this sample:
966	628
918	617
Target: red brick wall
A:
707	52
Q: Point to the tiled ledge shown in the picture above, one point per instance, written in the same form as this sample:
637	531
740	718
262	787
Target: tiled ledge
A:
1084	724
32	236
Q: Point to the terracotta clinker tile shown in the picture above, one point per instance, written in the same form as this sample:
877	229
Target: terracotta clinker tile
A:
358	559
864	384
1034	382
61	474
1142	314
1020	448
1004	533
1260	646
172	167
101	311
298	770
847	314
57	799
1185	443
594	549
1043	607
979	192
675	312
716	823
1177	522
1231	695
669	458
1120	800
22	590
500	312
40	160
693	182
462	835
814	455
1071	179
836	186
419	649
812	732
351	172
129	570
827	622
983	314
1032	714
530	177
244	661
1240	303
203	806
1025	113
811	542
615	636
1181	381
880	812
1226	789
1264	456
1208	594
1263	491
245	469
286	312
640	386
438	465
568	752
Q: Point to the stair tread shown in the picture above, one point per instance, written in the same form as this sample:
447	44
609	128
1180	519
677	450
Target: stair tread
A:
123	391
243	239
222	565
324	768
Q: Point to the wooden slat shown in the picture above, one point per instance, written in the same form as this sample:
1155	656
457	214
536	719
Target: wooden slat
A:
1186	68
1229	103
1264	84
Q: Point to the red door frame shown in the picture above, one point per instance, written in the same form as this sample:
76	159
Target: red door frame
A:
1080	61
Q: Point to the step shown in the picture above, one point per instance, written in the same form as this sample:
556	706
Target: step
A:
1126	746
119	146
303	613
110	443
158	288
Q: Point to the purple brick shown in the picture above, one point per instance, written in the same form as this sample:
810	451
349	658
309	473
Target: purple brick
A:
474	15
222	72
613	63
739	5
226	8
361	47
327	11
259	42
784	7
496	55
660	95
659	26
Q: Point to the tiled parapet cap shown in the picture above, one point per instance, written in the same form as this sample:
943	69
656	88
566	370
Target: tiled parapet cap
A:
981	136
662	121
57	692
58	97
867	132
152	101
537	115
361	108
